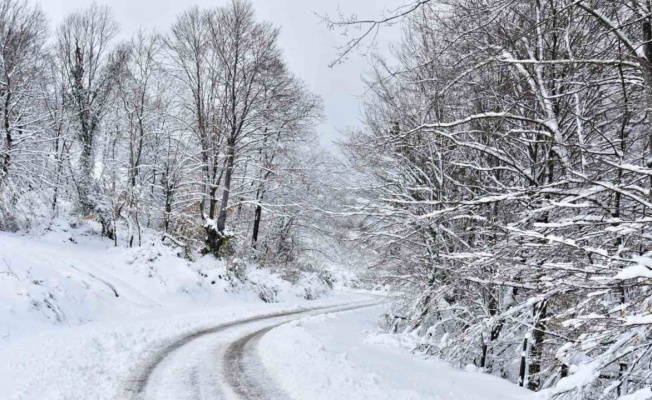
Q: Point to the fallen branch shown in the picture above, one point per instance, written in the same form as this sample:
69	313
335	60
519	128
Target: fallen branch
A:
174	240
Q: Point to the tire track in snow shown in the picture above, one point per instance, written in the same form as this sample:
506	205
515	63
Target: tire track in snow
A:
110	285
138	386
244	372
241	368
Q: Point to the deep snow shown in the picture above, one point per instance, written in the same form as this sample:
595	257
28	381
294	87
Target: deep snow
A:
97	361
78	315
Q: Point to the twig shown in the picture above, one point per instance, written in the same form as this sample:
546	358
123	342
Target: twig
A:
9	271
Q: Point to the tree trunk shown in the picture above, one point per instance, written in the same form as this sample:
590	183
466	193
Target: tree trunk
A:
9	141
536	352
59	170
221	220
215	232
168	209
521	372
85	182
646	64
495	330
257	217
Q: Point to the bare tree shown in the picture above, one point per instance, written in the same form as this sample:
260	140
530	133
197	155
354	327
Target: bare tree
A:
246	52
91	67
22	37
193	65
23	31
233	80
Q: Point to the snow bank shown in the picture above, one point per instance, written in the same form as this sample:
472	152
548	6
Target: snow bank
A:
78	315
406	342
342	356
307	369
640	270
643	394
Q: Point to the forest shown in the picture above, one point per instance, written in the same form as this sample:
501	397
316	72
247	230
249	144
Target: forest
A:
506	173
500	184
183	132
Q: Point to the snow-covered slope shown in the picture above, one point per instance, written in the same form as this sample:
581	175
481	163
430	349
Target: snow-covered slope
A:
80	317
63	276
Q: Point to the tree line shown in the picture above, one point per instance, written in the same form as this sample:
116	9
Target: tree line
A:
201	131
504	182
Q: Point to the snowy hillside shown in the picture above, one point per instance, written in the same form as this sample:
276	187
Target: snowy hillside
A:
64	276
103	361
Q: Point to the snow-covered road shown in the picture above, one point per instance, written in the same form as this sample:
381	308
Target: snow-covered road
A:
106	360
217	363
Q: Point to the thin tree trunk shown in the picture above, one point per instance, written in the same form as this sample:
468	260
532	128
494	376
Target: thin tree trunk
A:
536	352
9	141
257	217
521	372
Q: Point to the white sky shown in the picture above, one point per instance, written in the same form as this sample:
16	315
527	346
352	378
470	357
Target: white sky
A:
309	46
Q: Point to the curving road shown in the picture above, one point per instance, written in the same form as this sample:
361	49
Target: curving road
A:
219	363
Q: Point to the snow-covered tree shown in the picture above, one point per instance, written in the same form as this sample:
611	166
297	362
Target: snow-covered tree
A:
507	187
23	32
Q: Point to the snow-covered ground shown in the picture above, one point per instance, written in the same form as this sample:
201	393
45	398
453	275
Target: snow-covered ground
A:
342	356
98	361
81	319
62	276
78	315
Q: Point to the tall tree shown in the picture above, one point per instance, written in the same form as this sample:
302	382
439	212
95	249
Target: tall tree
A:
23	31
91	69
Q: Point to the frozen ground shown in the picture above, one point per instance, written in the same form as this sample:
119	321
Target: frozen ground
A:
341	356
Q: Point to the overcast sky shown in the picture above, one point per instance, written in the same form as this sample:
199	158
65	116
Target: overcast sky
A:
309	46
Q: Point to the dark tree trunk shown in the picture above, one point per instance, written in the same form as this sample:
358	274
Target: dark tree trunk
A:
521	372
221	220
257	217
646	63
168	210
536	353
9	141
495	330
87	129
622	388
213	240
564	370
483	357
85	182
